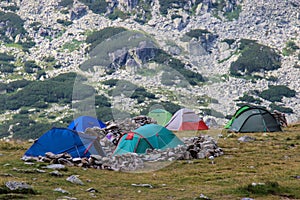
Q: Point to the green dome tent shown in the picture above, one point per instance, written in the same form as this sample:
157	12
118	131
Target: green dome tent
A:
149	136
161	116
253	119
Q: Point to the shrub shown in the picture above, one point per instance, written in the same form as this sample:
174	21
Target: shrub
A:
65	3
254	57
97	37
282	109
277	92
97	6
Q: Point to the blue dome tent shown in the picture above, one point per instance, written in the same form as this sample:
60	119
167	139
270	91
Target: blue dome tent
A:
81	123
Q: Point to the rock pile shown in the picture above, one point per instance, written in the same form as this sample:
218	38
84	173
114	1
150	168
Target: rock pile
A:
134	123
113	131
203	146
194	148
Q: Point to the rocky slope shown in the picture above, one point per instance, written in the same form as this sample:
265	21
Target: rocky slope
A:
53	25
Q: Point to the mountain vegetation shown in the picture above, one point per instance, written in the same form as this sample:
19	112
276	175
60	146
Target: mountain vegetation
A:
254	57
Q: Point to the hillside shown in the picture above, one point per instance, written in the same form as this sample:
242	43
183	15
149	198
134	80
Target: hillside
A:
266	168
117	59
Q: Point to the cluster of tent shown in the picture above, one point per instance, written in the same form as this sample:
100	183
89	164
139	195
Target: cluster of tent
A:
72	139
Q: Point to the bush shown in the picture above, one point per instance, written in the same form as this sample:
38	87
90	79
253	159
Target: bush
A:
254	58
97	6
282	109
277	92
64	22
196	33
65	3
165	5
6	58
13	22
290	48
264	189
249	99
97	37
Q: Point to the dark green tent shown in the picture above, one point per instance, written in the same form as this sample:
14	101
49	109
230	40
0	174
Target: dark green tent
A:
253	119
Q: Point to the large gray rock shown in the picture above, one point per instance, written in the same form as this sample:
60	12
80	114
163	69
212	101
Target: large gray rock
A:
19	186
74	179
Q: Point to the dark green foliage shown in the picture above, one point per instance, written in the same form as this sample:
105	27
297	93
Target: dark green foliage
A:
277	92
35	25
165	5
97	6
12	23
128	89
254	57
11	8
99	36
264	189
164	58
212	112
196	33
123	87
66	3
111	114
290	48
167	105
174	16
25	128
249	99
234	14
229	41
141	94
6	67
30	66
272	78
27	45
55	90
102	101
13	86
64	22
282	109
49	59
4	57
221	6
117	14
111	82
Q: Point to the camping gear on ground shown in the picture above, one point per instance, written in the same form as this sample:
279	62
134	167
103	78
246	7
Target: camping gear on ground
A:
83	122
161	116
63	140
186	119
253	119
149	136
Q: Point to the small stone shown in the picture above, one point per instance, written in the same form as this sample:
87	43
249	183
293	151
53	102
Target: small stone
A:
74	179
55	166
56	173
246	138
61	190
91	190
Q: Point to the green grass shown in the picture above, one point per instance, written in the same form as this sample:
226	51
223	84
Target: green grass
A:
272	159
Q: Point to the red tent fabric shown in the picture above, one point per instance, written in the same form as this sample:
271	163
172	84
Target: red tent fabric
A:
186	119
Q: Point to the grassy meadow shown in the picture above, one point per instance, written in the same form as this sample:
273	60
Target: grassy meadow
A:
272	161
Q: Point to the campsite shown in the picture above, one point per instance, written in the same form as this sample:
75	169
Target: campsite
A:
262	164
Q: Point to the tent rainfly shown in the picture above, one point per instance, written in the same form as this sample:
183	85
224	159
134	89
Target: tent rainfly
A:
186	119
253	119
161	116
149	136
63	140
81	123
